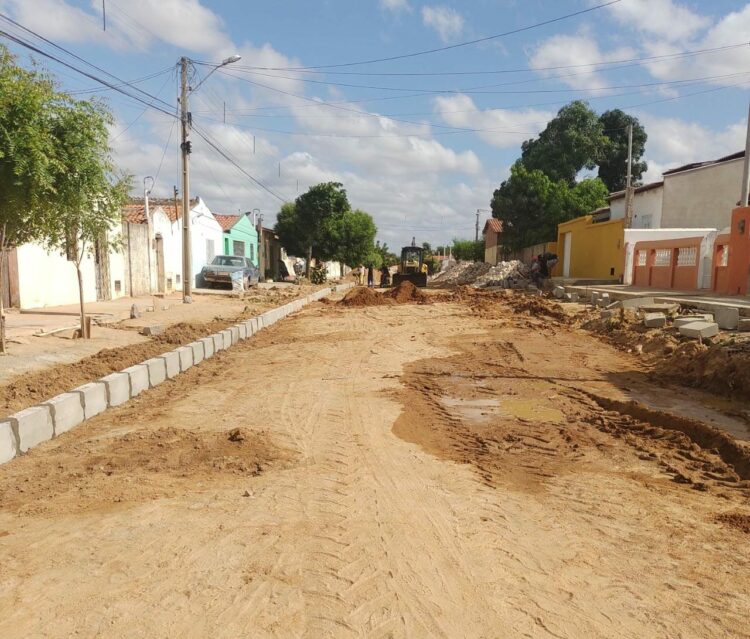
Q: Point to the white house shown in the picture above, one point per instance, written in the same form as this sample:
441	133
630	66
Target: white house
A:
206	237
647	206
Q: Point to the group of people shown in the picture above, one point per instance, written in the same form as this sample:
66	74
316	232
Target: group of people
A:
366	275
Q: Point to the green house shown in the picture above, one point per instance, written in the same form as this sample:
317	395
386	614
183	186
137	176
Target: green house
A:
240	236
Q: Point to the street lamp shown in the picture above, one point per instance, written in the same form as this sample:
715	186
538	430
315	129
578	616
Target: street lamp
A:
185	119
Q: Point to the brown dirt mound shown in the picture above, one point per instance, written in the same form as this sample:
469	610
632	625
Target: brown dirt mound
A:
362	296
736	520
538	306
724	369
406	293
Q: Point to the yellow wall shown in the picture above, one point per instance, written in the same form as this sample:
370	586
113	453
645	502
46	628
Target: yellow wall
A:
595	249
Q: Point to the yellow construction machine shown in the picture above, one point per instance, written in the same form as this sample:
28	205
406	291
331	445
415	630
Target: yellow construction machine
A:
412	267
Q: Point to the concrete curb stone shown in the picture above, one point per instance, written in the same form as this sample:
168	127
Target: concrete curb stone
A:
118	388
218	340
32	426
93	398
197	348
138	378
157	370
700	329
234	331
227	335
172	363
208	346
66	410
186	357
8	447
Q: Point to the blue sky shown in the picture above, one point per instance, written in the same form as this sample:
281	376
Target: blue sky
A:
421	153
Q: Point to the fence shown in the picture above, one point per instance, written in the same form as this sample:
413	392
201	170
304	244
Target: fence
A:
672	264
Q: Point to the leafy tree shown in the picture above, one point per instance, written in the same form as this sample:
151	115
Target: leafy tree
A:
613	164
571	141
531	205
353	235
89	197
27	158
468	250
310	223
387	257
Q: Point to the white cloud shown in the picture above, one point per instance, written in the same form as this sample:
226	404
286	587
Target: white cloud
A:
446	21
582	48
673	142
395	5
503	128
666	19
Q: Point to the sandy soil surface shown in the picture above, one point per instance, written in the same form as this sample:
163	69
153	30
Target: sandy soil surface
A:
43	367
416	470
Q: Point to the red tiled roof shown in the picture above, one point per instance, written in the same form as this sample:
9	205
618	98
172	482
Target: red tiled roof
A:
494	225
135	210
227	221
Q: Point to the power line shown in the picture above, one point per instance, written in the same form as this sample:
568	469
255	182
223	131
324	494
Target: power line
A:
460	44
164	153
140	115
637	62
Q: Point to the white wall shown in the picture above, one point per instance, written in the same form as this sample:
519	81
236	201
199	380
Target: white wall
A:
171	233
203	227
117	268
48	279
647	209
702	197
633	236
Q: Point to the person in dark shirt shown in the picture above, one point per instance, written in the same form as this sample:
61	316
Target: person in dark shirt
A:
370	276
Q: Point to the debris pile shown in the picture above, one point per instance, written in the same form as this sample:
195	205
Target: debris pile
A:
362	296
460	273
512	274
406	292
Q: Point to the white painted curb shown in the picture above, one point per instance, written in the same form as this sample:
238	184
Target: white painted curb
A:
49	419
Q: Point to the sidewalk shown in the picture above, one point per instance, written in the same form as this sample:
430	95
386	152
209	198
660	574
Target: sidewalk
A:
699	299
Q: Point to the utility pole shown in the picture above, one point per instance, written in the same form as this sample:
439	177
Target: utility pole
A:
746	170
187	275
149	228
476	228
261	251
629	191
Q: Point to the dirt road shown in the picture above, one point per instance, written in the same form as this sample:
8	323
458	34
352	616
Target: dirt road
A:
440	470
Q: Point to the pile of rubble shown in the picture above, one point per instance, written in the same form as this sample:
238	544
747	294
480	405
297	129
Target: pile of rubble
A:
461	273
512	274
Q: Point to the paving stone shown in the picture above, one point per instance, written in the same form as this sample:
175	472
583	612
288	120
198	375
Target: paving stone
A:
8	449
605	314
172	363
234	331
157	370
559	292
197	352
186	357
67	412
689	319
637	302
227	335
700	329
726	317
615	304
571	297
218	339
150	331
138	376
668	308
208	346
744	325
32	426
134	312
118	388
655	320
242	328
93	398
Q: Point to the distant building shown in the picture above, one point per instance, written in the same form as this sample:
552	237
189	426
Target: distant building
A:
647	206
240	236
493	229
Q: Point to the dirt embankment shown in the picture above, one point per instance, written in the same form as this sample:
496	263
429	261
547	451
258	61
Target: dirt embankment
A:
404	293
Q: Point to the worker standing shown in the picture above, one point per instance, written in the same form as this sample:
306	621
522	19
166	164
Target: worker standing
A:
370	276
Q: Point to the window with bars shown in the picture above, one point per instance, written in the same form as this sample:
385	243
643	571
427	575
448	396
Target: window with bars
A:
687	256
663	257
642	256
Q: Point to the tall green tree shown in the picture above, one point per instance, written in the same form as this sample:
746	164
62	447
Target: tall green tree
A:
311	222
88	194
572	141
28	158
613	163
531	205
468	250
353	235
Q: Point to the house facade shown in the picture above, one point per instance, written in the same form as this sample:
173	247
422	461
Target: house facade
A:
592	250
206	237
647	206
240	236
492	231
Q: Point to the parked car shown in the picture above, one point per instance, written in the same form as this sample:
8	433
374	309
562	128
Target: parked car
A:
219	271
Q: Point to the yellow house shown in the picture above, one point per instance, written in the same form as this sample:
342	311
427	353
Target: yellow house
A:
591	250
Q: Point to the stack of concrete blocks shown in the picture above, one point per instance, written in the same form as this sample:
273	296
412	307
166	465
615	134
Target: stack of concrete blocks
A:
32	426
655	320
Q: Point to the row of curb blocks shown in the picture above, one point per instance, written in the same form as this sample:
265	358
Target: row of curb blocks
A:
32	426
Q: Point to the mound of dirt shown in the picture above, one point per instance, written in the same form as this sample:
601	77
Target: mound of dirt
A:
406	293
736	520
361	296
538	306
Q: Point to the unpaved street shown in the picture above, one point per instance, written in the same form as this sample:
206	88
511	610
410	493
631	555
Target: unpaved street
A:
454	469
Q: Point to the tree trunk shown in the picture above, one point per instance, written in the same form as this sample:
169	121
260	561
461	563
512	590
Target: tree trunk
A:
84	332
309	259
3	251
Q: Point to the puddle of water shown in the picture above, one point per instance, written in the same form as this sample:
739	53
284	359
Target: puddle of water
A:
480	410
